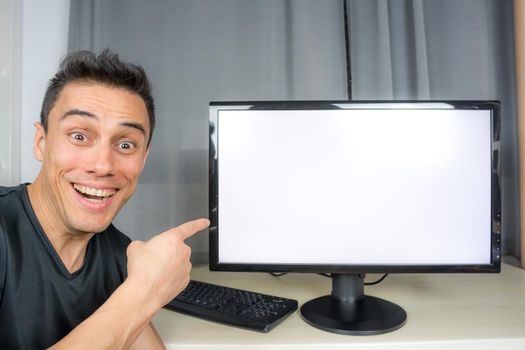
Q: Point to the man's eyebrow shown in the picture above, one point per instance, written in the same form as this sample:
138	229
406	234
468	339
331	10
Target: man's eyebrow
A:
82	113
78	112
137	126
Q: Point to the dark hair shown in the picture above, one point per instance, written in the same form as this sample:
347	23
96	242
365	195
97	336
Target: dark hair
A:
106	68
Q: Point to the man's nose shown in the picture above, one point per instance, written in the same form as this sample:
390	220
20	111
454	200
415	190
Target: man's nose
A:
102	160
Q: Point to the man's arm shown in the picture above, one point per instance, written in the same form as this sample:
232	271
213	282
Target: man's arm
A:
157	271
149	339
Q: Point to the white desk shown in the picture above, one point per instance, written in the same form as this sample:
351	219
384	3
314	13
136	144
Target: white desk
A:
445	311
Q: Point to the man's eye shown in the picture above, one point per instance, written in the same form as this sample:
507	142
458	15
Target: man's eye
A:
126	146
78	137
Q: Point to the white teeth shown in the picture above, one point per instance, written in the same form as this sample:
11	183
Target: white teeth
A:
94	192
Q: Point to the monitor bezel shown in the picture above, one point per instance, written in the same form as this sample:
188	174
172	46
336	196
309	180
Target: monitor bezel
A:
214	237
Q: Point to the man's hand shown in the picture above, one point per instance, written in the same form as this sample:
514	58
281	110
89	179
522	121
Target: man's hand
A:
162	264
158	270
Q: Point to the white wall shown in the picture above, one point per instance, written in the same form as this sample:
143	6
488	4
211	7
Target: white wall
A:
10	61
45	26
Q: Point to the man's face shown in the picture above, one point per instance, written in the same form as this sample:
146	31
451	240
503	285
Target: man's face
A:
93	153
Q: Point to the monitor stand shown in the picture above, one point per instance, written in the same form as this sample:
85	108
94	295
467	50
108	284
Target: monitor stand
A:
349	311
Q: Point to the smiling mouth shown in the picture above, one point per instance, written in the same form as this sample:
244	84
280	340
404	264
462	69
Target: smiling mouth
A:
95	195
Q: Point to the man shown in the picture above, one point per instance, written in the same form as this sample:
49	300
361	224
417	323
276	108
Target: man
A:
68	277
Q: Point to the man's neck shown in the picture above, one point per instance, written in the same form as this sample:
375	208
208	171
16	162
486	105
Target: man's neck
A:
70	246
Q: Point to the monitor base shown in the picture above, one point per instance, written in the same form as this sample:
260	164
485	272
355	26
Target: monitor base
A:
348	311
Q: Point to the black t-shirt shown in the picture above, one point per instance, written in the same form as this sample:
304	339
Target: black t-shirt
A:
40	301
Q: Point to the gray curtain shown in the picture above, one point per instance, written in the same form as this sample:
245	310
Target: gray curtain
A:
204	50
447	49
201	51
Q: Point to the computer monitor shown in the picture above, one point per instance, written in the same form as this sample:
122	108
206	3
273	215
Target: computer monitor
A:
355	187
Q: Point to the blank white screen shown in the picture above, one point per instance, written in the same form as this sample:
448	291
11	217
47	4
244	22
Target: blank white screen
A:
354	187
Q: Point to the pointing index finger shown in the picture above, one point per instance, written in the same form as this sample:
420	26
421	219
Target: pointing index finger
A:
189	228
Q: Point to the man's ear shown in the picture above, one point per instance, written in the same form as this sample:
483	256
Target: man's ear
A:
145	158
39	144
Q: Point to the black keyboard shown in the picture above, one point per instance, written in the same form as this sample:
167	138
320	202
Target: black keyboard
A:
241	308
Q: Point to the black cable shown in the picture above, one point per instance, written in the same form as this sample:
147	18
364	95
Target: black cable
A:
346	22
378	281
279	274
